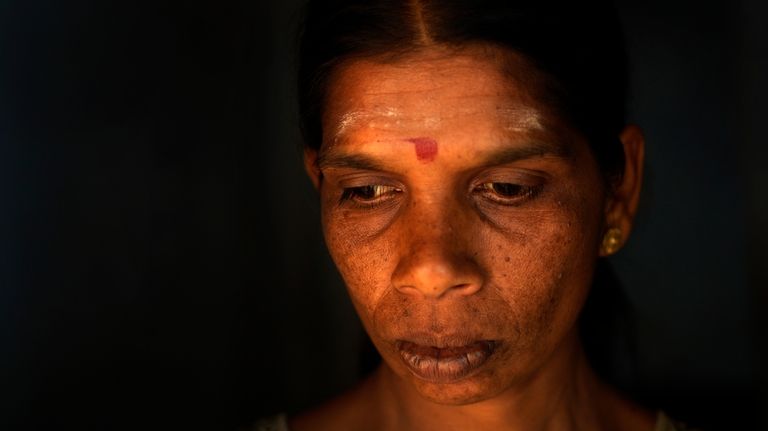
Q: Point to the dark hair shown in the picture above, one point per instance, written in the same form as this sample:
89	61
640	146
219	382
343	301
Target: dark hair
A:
577	47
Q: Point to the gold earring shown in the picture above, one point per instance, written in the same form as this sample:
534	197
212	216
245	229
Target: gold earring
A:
611	241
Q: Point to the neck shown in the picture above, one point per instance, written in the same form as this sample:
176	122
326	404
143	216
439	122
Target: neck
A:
564	394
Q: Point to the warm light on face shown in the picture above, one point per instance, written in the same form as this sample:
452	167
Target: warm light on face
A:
463	216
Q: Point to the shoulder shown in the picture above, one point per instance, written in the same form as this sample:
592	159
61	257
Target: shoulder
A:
664	423
274	423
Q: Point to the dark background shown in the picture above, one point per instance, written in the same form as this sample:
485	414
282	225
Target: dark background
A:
160	258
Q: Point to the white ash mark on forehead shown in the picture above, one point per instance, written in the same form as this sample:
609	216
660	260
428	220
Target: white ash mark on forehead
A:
354	118
519	119
513	119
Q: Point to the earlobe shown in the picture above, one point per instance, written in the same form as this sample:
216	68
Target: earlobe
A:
311	167
625	196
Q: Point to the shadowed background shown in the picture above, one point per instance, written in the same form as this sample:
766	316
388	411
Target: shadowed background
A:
161	264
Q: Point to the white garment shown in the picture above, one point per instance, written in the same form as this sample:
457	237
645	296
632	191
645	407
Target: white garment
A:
275	423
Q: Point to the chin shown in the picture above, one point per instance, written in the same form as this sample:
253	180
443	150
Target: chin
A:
465	391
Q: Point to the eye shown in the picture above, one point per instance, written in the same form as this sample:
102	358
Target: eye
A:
506	193
369	196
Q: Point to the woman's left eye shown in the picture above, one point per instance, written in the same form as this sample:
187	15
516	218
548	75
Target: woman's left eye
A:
506	193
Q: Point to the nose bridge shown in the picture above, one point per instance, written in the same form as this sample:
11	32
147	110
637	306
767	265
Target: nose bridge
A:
436	256
432	225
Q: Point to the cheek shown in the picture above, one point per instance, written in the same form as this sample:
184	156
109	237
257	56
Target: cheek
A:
542	263
364	263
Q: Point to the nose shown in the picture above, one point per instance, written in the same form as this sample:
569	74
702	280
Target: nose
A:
436	260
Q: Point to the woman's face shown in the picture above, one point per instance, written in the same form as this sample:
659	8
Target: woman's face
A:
464	217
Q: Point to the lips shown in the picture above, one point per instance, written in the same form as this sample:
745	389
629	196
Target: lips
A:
445	364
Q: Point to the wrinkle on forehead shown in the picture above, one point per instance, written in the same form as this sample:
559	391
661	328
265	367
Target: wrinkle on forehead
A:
422	93
512	119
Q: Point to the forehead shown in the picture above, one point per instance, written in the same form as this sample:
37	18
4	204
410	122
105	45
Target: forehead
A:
428	67
429	89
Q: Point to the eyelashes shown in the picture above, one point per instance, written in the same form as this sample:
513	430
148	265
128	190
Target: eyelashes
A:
369	196
507	193
374	195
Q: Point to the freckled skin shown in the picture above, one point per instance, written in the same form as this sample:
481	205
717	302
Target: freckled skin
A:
436	225
441	256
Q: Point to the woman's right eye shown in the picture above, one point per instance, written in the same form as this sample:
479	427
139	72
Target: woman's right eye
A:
370	195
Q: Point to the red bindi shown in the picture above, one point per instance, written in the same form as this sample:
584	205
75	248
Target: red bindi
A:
426	148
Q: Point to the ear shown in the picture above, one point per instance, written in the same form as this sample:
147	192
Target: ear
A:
622	203
310	165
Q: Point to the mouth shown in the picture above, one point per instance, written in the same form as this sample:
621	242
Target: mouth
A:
445	364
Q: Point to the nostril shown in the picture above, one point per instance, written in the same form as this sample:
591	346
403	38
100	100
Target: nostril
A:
438	291
466	288
408	289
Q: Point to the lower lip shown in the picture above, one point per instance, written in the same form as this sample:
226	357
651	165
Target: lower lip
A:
445	365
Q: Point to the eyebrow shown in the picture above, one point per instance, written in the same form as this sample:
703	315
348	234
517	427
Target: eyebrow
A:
532	149
334	159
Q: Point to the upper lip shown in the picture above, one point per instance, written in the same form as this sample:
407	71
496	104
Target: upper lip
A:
442	341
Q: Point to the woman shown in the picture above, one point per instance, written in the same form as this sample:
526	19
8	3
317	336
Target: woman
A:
473	167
